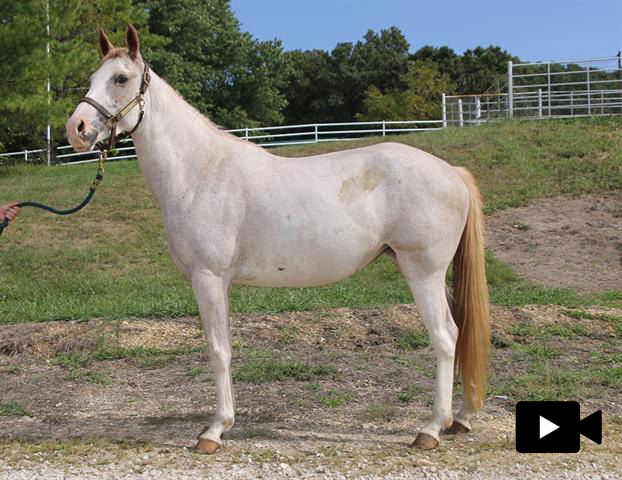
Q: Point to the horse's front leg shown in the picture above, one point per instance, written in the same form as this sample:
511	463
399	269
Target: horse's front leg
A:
212	294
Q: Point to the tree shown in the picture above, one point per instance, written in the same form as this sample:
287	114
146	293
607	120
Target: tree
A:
308	88
420	100
482	67
445	58
381	60
327	87
223	72
474	71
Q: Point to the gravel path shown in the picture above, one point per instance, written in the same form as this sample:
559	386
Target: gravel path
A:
285	471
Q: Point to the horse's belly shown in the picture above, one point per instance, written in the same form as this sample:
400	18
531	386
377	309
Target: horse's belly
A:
293	278
303	269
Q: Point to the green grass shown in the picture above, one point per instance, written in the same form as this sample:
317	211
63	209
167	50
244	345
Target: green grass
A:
197	371
551	364
335	398
580	315
548	383
411	392
538	351
545	381
288	334
77	362
96	377
412	339
15	369
13	409
256	365
110	260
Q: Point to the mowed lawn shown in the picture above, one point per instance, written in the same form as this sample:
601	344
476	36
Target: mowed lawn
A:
111	261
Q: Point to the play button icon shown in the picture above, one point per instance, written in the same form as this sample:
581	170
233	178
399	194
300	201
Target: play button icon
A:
546	427
554	427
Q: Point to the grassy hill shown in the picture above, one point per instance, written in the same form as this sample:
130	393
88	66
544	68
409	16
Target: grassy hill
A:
110	260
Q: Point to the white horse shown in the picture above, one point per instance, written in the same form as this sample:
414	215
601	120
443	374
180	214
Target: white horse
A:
235	213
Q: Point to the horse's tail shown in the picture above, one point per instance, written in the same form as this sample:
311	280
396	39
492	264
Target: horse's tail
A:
470	301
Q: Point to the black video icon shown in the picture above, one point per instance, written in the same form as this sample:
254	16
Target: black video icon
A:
554	427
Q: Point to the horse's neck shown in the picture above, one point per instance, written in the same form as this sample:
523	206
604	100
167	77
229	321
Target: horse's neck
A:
176	147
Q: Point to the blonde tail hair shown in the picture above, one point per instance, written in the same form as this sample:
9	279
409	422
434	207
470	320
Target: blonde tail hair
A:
470	301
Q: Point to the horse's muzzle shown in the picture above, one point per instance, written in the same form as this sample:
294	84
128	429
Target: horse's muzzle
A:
81	133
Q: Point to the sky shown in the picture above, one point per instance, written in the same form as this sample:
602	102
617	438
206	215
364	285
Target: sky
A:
545	30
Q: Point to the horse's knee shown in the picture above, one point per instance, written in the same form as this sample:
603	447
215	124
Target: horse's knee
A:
220	359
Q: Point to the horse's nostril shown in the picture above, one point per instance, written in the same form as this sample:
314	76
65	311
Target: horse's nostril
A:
81	127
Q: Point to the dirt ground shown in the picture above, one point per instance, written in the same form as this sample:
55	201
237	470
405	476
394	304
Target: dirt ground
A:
134	411
573	242
352	423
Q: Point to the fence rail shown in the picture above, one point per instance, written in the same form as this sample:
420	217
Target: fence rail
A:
544	90
262	136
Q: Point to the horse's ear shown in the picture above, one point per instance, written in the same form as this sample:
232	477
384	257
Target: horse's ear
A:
104	44
133	45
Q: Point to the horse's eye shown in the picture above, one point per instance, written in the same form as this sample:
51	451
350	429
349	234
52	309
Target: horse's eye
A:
120	79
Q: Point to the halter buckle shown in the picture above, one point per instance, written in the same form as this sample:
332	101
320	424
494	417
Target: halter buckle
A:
112	121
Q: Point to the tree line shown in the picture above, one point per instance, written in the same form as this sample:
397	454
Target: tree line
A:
227	74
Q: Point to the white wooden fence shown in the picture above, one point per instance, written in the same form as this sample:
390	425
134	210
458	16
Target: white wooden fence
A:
263	136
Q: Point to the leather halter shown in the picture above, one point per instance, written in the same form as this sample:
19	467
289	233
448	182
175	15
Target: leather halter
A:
113	120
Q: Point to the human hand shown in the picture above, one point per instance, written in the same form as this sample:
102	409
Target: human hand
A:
9	211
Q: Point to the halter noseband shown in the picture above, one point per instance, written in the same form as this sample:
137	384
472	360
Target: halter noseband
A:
113	120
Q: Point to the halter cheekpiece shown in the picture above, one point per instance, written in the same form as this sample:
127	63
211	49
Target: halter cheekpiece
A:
113	120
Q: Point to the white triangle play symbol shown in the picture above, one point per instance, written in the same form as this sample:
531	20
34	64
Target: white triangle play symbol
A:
546	427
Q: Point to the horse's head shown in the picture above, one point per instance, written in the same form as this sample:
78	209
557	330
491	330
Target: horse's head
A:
115	85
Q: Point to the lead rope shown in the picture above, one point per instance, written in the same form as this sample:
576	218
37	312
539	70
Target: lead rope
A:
99	176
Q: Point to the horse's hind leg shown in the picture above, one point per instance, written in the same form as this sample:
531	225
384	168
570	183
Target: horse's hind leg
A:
211	292
428	289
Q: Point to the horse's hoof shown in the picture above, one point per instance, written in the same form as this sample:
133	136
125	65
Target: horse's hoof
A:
457	428
425	441
205	445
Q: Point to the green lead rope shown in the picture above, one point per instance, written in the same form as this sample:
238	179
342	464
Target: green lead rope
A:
98	178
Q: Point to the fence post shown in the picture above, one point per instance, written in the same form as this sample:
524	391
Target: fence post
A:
49	138
602	103
548	82
539	103
384	128
571	104
26	155
510	90
589	93
444	109
246	133
317	136
478	110
460	114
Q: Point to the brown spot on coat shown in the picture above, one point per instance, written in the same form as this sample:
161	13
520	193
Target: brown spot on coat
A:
364	182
